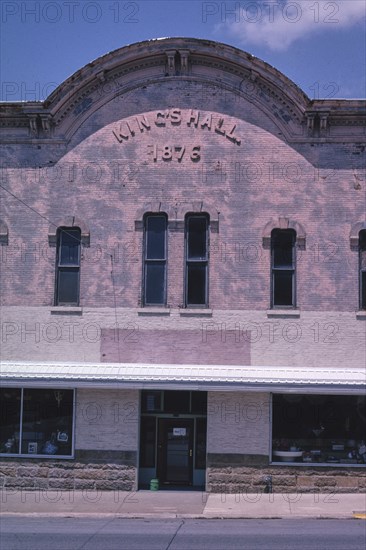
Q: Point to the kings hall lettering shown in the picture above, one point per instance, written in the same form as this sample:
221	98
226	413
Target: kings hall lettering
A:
174	118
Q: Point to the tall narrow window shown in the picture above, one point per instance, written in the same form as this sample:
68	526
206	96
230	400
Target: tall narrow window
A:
283	267
362	249
68	266
155	263
196	276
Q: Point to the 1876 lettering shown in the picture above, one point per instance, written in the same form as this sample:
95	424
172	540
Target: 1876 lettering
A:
174	152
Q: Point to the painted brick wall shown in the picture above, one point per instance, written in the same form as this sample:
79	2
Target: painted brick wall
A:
107	420
87	170
249	184
315	339
238	423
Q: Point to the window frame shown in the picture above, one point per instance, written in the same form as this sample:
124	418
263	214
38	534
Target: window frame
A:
19	454
161	261
362	268
198	262
277	269
62	267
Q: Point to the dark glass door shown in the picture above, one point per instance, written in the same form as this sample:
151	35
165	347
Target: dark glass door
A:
175	451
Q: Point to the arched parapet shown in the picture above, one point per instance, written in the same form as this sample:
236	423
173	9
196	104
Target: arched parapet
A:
214	68
230	80
175	58
69	221
284	223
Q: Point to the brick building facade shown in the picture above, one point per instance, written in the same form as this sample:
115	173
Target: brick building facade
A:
183	283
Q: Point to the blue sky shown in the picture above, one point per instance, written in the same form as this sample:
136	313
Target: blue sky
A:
320	45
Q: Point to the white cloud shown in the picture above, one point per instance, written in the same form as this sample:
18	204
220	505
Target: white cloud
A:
279	23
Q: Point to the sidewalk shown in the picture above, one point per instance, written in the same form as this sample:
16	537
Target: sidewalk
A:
180	504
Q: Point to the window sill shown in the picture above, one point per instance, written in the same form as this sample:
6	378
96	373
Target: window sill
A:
320	464
195	312
283	313
42	456
150	310
361	314
66	310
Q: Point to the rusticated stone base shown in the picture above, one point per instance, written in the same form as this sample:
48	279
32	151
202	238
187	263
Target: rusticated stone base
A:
90	470
233	473
238	479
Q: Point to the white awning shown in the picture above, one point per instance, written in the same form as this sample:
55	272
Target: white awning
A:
193	377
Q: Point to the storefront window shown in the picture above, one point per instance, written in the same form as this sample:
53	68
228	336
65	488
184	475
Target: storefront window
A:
36	422
319	429
10	420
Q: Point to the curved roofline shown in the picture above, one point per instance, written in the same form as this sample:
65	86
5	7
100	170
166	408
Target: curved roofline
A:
105	58
108	61
161	61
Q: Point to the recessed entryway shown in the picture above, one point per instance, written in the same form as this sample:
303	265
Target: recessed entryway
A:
173	430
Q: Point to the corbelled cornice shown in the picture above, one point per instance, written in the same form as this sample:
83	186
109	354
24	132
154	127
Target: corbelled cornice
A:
170	60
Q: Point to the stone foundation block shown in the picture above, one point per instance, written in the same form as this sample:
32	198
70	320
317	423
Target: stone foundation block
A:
27	472
325	481
288	481
84	484
349	482
61	483
8	470
60	473
28	482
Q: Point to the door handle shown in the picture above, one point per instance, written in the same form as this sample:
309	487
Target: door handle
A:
190	452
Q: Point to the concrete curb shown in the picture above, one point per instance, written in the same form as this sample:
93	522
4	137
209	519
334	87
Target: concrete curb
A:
179	516
187	505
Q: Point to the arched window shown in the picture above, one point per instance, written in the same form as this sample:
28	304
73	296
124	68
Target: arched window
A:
196	247
283	283
68	266
155	260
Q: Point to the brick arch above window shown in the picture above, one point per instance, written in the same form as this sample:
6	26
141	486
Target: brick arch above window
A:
69	221
4	233
284	223
176	213
355	234
153	207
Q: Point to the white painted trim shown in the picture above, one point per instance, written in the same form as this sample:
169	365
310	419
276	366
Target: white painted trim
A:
175	376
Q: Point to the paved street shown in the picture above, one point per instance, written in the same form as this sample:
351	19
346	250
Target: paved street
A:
25	533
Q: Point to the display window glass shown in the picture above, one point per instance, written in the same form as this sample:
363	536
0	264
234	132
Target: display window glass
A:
327	429
37	421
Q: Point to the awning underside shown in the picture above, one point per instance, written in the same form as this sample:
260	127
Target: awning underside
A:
204	377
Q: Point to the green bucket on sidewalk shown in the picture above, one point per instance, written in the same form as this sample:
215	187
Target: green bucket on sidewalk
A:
154	485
